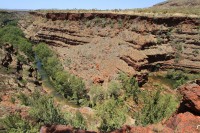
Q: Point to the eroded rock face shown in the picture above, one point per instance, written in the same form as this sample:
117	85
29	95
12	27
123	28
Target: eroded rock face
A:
92	45
184	122
188	114
191	98
130	43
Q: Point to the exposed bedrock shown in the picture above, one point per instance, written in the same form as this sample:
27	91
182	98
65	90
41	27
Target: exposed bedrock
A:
62	39
170	21
100	45
187	117
184	122
191	98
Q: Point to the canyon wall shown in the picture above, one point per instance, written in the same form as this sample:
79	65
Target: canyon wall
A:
97	46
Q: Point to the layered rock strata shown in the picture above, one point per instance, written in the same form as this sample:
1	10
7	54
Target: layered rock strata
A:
99	46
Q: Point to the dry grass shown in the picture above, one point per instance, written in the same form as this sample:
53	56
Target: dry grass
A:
154	11
172	10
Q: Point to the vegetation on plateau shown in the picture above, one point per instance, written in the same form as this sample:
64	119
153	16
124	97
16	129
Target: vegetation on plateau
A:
172	10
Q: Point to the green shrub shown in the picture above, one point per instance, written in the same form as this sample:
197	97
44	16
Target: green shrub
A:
7	18
21	58
178	77
71	87
14	35
97	94
78	88
111	24
103	23
43	52
159	40
23	99
156	108
130	85
177	58
79	121
52	66
114	89
179	47
12	100
88	24
120	23
112	115
43	110
13	123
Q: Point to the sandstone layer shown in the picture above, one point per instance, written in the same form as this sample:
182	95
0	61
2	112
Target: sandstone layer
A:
99	46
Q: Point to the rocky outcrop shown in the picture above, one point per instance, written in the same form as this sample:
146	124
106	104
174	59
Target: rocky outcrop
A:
187	117
92	45
184	122
191	98
170	21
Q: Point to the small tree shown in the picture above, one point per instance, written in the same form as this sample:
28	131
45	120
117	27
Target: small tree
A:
131	86
178	77
62	83
43	52
79	121
156	108
13	123
52	66
112	115
78	89
43	110
96	94
114	89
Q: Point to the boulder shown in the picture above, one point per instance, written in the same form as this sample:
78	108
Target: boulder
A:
98	80
191	99
184	122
